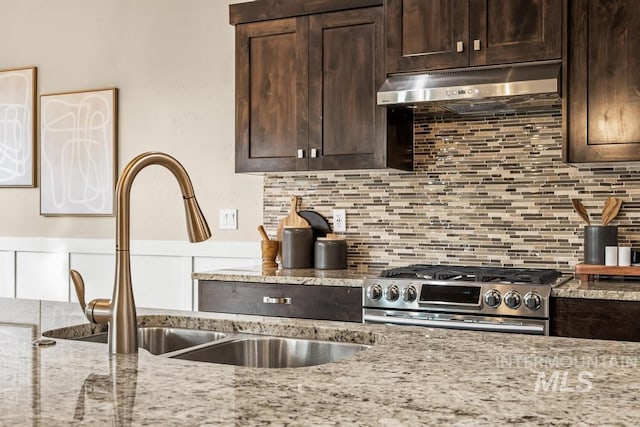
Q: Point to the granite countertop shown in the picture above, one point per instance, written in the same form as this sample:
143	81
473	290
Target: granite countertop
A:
599	289
309	276
410	376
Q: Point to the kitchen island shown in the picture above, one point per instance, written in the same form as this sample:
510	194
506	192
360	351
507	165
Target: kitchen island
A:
410	376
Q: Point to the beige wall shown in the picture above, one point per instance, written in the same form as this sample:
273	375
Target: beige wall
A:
173	63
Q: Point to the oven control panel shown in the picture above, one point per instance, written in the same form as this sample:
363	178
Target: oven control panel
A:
457	297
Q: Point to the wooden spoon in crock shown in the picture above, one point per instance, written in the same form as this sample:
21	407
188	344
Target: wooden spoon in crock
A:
582	211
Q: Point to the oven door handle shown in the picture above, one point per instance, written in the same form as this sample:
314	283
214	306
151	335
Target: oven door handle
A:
488	327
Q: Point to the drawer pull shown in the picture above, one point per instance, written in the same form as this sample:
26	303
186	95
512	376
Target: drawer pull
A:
276	300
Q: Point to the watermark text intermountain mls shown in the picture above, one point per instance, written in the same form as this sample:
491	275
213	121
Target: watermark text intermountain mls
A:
565	374
603	361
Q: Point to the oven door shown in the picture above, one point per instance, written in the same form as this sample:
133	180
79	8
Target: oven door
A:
457	321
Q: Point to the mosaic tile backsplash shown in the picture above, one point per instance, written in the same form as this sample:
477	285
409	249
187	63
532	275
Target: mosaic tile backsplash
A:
486	190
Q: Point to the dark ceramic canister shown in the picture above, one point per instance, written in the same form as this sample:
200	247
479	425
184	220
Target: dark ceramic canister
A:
596	237
297	247
330	253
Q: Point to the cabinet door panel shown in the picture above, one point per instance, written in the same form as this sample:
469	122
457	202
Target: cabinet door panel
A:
515	30
595	319
271	95
346	69
614	91
603	81
424	34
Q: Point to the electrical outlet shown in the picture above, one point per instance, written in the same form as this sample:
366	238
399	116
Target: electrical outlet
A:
228	219
339	220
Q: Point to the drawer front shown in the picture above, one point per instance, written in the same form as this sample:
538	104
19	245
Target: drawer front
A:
268	299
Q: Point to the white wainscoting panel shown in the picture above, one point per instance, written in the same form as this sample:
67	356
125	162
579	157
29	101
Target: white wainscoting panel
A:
162	282
7	274
38	268
97	271
42	275
209	264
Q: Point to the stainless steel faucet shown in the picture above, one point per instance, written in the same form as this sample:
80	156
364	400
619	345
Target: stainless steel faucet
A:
120	312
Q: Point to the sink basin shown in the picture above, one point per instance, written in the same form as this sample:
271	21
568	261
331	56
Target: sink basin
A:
232	348
161	340
272	352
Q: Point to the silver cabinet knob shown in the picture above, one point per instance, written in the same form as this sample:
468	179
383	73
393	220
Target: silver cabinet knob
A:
476	44
391	293
532	301
512	299
300	153
314	153
459	46
492	298
374	292
409	294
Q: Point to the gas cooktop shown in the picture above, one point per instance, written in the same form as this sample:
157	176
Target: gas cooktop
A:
454	273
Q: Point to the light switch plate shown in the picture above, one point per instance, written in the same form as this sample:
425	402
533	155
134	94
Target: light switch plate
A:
228	219
340	220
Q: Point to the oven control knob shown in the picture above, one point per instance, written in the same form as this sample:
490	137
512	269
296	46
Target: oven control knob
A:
409	294
392	293
374	292
492	298
512	299
532	301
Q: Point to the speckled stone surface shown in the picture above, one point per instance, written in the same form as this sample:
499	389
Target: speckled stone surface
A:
409	377
310	276
598	289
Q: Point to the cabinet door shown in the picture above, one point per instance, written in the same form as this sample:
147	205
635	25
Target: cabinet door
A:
427	34
603	81
595	319
346	68
270	299
271	95
514	31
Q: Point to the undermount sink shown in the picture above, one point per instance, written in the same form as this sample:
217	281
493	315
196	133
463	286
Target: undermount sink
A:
272	352
161	340
240	349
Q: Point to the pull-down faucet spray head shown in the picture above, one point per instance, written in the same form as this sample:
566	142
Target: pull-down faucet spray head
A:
197	226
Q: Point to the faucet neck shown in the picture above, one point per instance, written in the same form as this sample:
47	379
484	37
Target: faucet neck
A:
123	190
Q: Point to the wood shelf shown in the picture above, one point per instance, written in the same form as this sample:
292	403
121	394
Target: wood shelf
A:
586	271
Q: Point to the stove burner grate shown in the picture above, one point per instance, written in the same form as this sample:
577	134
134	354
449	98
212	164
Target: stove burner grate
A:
513	275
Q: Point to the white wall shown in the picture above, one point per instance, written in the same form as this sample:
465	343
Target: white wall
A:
173	63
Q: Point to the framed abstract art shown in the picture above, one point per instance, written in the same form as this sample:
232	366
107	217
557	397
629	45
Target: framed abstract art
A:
78	152
17	127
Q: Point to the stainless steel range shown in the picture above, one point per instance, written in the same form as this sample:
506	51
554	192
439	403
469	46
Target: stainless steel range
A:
480	298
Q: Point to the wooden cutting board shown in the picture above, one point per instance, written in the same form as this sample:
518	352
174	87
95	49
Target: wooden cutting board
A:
291	220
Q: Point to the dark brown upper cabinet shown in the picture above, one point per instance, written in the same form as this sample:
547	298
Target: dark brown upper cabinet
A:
306	90
442	34
603	81
272	109
346	68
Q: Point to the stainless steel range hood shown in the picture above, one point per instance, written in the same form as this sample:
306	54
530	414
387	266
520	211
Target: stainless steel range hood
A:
470	91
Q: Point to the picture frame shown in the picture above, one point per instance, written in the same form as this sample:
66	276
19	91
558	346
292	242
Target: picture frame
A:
78	152
18	127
